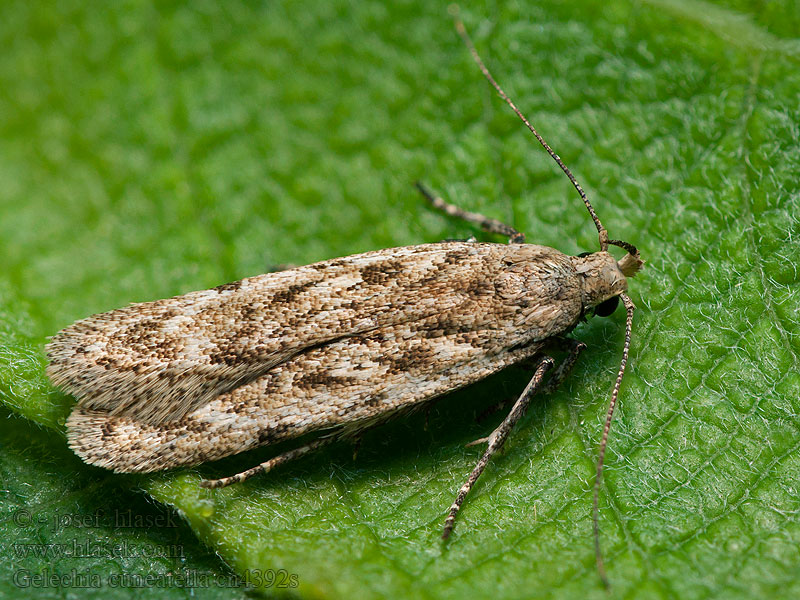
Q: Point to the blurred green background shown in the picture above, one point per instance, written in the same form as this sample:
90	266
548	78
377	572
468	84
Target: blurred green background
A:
150	150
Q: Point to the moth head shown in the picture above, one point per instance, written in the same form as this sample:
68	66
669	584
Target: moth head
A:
603	280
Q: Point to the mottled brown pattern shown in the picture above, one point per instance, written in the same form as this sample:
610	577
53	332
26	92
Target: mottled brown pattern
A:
376	376
342	343
229	287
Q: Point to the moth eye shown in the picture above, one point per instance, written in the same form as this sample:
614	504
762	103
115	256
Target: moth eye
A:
584	254
607	307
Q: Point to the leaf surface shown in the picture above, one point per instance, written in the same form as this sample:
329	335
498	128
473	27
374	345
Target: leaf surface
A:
147	152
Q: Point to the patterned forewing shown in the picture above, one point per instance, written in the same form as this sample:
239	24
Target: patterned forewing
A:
350	383
159	361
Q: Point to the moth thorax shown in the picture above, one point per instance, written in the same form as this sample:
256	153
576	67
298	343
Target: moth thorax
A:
601	278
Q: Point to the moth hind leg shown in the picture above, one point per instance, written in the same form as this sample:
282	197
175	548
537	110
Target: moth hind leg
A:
485	223
268	465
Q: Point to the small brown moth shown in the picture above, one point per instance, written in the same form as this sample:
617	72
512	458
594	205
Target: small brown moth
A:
334	347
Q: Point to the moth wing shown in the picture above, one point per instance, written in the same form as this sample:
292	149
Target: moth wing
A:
158	361
348	384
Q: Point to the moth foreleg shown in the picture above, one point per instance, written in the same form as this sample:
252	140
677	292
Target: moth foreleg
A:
574	347
498	438
356	446
485	223
268	465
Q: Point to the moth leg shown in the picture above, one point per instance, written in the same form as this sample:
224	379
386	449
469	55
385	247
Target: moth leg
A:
574	347
498	438
486	223
491	409
268	465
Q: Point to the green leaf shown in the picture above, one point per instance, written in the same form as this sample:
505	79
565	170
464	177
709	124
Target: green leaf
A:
150	151
67	530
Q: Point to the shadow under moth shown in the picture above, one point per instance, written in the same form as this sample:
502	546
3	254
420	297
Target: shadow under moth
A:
334	347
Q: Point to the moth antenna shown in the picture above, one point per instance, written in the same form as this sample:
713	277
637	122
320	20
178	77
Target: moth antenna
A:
630	267
629	307
453	9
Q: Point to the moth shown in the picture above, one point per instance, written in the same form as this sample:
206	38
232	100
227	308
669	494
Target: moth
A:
333	347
